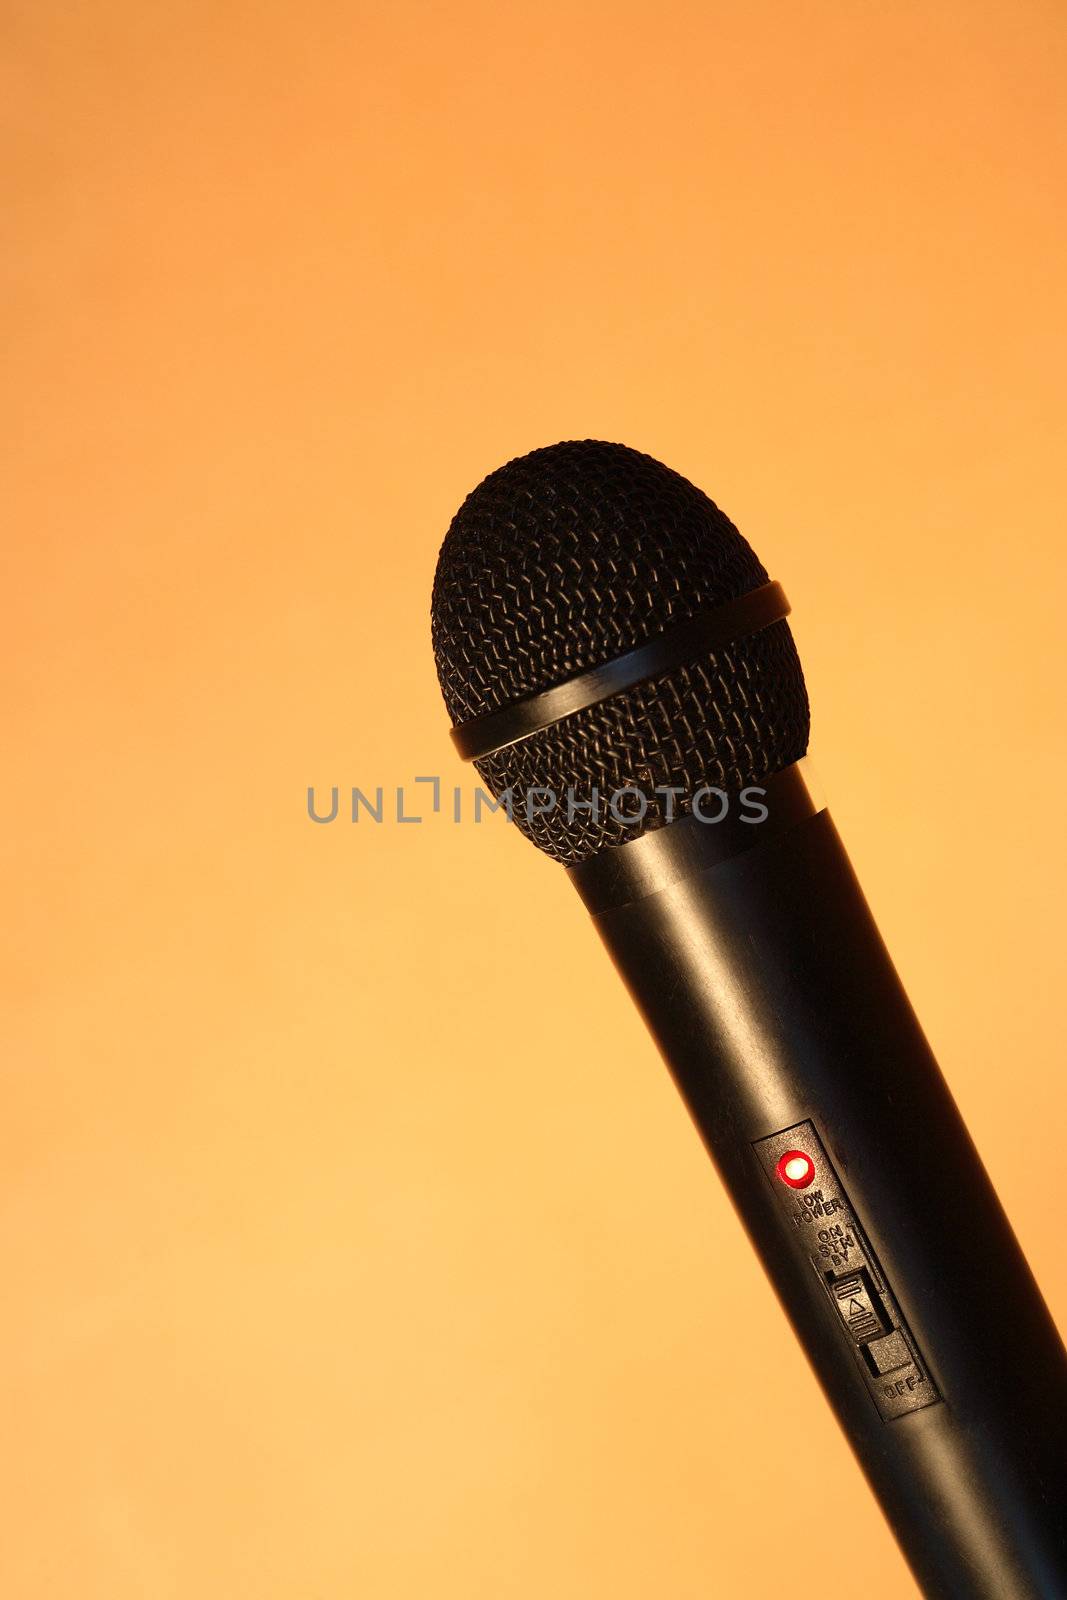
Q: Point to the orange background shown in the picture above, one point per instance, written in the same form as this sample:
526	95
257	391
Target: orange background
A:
354	1240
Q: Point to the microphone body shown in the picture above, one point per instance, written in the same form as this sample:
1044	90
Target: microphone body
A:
754	959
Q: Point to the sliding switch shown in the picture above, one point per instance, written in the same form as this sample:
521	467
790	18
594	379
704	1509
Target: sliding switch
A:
858	1306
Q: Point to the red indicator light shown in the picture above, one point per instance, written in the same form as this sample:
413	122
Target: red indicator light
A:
795	1168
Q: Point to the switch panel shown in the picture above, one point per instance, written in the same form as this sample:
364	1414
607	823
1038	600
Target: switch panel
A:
868	1318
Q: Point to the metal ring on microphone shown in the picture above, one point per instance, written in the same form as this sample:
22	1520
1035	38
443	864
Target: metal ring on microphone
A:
700	635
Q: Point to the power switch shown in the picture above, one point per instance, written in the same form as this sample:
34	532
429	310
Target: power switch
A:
858	1306
886	1355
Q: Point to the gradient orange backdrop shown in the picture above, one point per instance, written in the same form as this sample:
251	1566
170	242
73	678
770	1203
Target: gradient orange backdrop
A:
354	1240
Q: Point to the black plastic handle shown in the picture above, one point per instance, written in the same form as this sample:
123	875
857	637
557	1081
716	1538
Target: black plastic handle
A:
767	987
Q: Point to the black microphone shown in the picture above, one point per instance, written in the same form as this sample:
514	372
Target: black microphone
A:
617	663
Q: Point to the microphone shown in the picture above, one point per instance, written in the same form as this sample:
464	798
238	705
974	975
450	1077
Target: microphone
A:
616	662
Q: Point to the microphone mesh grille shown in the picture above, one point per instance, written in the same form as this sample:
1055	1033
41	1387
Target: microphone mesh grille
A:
562	560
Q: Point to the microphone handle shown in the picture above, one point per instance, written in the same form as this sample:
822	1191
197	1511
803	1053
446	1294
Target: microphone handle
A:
752	954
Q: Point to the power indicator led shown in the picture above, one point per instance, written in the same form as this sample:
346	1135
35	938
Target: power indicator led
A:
795	1168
